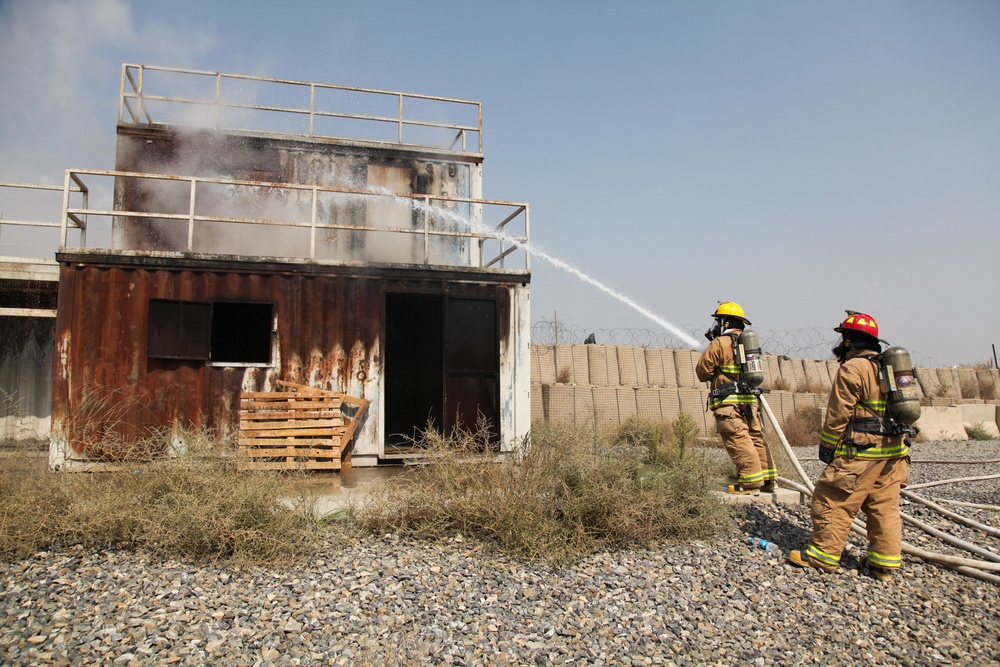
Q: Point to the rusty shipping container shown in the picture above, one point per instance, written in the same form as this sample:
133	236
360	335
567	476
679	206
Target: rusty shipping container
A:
236	258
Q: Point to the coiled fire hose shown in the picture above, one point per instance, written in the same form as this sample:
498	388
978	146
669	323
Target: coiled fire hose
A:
973	568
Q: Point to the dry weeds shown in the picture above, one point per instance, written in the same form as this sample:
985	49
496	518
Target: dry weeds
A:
569	493
192	505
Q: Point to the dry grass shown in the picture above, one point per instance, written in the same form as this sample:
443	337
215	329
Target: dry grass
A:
812	386
987	386
194	505
780	384
969	387
563	375
571	492
802	428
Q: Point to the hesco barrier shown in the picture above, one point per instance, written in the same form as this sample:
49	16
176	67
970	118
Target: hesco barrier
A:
605	385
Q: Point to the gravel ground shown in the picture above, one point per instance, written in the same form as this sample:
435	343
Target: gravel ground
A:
389	601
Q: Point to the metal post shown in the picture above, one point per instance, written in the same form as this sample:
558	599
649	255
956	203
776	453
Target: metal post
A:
312	227
400	121
65	211
218	98
312	110
555	321
427	233
194	185
527	238
121	95
138	99
85	201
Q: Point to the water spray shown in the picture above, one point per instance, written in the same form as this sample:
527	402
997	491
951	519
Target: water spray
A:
540	254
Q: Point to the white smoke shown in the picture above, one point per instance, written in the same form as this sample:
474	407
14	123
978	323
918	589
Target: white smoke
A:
60	68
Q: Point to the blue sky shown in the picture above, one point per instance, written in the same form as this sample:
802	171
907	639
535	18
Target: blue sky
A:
800	158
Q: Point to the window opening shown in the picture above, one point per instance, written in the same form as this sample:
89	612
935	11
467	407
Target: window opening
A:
223	332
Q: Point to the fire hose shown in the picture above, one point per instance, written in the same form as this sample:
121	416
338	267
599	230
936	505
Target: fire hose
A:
974	568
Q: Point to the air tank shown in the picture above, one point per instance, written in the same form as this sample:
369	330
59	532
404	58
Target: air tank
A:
901	394
751	365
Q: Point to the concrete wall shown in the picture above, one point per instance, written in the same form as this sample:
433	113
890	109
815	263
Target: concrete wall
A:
606	385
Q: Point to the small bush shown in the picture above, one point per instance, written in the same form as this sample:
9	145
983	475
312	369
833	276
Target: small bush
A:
969	386
987	386
803	427
194	505
978	431
563	375
568	493
646	435
812	386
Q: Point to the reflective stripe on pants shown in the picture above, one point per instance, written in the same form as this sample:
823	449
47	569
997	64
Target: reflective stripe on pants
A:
847	486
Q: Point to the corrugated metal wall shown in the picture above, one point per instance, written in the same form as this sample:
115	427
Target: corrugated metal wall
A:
329	331
26	346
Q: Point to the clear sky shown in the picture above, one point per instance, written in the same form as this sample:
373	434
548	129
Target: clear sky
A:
800	158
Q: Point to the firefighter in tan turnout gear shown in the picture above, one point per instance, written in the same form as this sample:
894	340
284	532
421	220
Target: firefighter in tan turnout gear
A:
867	456
733	402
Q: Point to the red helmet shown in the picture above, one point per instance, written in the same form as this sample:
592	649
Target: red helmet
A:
859	322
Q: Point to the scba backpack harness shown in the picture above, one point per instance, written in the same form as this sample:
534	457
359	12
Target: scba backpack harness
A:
902	407
746	389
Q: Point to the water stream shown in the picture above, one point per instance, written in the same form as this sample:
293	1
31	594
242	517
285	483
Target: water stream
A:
534	251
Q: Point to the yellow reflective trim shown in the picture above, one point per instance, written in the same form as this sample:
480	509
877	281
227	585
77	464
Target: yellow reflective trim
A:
732	399
830	438
816	553
881	560
888	452
877	407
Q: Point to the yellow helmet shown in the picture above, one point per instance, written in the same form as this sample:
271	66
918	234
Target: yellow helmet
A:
730	309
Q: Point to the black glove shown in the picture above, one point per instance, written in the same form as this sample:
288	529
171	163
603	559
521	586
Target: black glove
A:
826	454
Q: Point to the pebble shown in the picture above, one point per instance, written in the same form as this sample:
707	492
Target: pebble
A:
388	600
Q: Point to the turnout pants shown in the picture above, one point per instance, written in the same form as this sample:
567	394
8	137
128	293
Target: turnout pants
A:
743	439
849	485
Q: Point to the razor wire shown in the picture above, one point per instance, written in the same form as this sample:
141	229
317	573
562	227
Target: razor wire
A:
805	343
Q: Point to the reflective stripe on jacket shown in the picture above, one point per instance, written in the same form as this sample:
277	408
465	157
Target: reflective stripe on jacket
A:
857	394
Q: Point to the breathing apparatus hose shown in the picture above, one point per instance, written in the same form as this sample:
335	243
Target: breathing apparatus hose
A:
966	566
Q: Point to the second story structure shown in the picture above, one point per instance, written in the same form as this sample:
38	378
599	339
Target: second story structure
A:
262	230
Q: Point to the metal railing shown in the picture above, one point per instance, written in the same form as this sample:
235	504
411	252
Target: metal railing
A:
27	200
171	96
324	224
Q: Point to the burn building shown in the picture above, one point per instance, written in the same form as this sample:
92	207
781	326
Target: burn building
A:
258	231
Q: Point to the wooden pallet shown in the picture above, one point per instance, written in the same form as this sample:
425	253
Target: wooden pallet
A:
300	428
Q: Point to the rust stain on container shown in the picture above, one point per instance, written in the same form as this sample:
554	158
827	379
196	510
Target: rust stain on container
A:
327	331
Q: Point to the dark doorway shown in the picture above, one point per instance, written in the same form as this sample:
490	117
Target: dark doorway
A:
414	349
442	365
